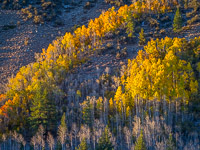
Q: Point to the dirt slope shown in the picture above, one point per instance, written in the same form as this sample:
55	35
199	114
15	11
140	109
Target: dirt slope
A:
18	44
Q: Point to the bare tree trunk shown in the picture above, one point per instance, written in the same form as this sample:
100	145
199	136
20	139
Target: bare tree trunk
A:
71	138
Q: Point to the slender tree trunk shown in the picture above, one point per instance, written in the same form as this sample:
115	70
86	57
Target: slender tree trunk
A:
94	144
72	143
75	140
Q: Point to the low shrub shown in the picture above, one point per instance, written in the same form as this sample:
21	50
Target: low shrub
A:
196	18
38	19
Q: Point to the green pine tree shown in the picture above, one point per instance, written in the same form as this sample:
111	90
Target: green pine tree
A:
140	144
142	39
130	26
170	143
83	145
43	110
87	113
52	113
63	120
104	141
177	24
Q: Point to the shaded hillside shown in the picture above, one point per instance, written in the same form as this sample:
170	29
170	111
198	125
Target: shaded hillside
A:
20	40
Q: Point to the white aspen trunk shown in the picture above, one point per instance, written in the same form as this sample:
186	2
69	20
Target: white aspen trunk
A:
154	109
94	142
122	111
168	113
75	140
176	111
165	108
149	106
62	146
93	107
10	143
136	104
130	121
139	109
94	40
72	143
120	138
117	124
173	107
142	109
104	112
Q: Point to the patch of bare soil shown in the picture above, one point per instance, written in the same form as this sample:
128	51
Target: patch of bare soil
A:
20	40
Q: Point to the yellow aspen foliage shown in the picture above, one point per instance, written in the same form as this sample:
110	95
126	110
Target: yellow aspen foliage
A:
91	28
50	52
156	72
16	99
98	27
84	36
194	86
123	12
198	67
123	79
159	72
68	41
128	111
77	38
138	9
111	104
99	105
119	98
155	6
62	62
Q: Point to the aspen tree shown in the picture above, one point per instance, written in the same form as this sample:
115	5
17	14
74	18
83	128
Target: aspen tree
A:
62	132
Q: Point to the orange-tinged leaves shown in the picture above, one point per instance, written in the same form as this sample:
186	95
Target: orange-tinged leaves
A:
5	108
2	97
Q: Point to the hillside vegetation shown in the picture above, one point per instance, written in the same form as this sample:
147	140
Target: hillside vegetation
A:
152	102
